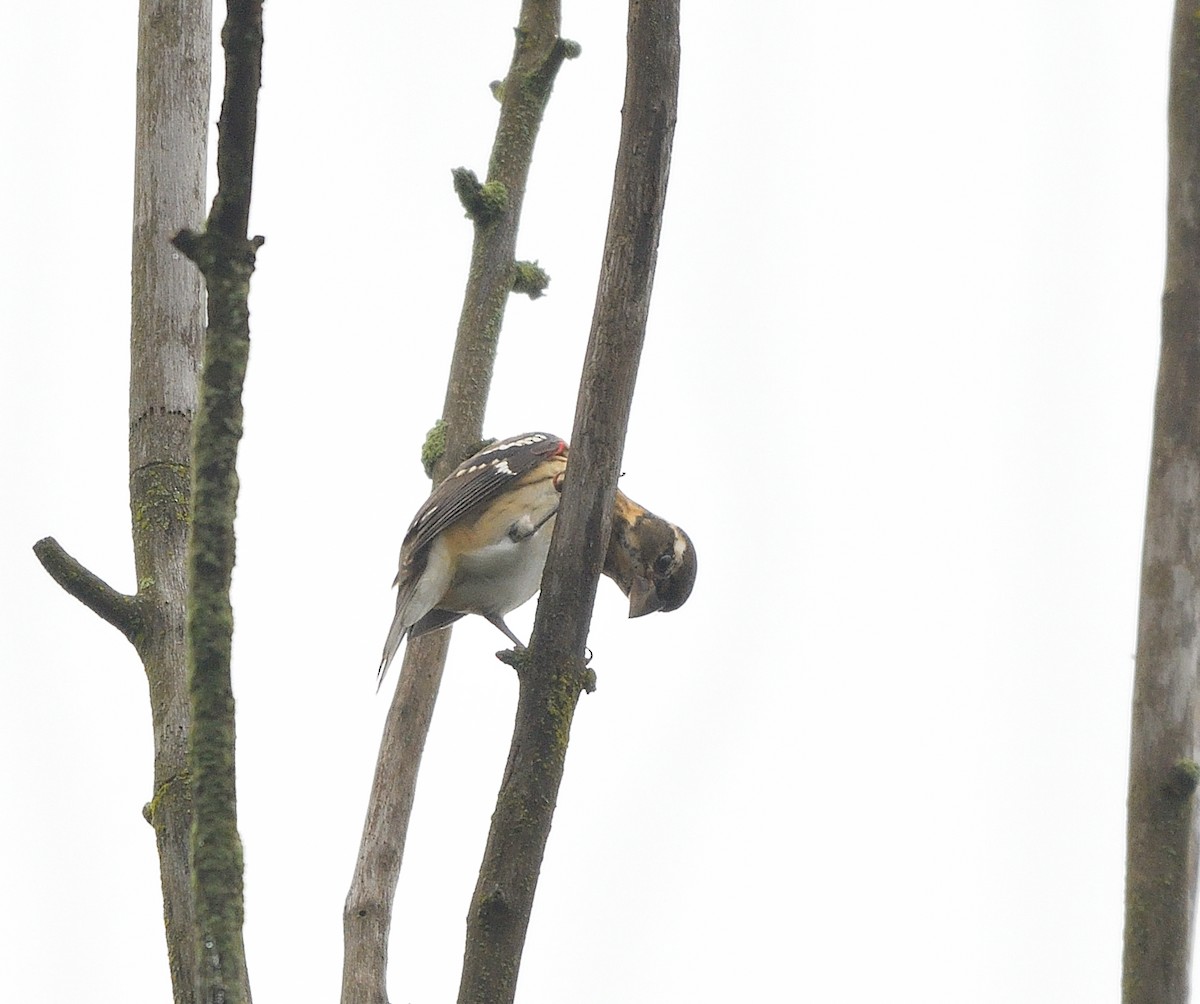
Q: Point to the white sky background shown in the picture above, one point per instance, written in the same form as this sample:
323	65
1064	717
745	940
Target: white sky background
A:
897	386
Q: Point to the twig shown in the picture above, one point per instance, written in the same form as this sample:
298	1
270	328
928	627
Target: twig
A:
121	611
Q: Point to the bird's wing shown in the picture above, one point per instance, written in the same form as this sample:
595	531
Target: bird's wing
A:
478	480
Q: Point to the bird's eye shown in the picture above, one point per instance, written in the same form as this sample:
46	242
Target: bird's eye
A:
663	563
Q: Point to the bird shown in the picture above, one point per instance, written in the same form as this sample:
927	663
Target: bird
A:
479	543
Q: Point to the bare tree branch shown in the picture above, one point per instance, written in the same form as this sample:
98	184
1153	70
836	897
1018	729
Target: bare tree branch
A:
225	257
553	671
495	210
1160	880
174	70
120	610
367	920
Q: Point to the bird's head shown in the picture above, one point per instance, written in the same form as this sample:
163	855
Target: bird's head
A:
653	561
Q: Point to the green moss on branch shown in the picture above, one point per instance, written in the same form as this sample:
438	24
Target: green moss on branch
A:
529	278
484	202
433	447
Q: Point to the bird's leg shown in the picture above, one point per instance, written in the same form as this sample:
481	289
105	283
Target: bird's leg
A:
498	621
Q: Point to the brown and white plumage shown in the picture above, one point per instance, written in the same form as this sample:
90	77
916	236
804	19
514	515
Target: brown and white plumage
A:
478	545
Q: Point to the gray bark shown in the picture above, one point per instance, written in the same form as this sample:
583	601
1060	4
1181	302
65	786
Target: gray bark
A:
166	331
166	335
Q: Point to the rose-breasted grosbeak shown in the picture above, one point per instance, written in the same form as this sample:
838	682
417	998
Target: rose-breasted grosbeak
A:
479	543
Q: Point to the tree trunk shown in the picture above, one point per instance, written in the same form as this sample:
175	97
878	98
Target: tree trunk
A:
173	82
1160	881
174	68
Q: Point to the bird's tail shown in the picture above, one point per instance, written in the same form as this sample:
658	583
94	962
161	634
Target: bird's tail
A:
395	636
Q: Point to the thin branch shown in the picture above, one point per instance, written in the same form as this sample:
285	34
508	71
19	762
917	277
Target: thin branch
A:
1162	834
495	209
226	258
553	672
368	910
120	610
242	39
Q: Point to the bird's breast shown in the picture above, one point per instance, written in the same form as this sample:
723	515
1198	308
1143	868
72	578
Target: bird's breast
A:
501	554
498	577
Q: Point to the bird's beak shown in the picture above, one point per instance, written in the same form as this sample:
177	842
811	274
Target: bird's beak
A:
642	597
